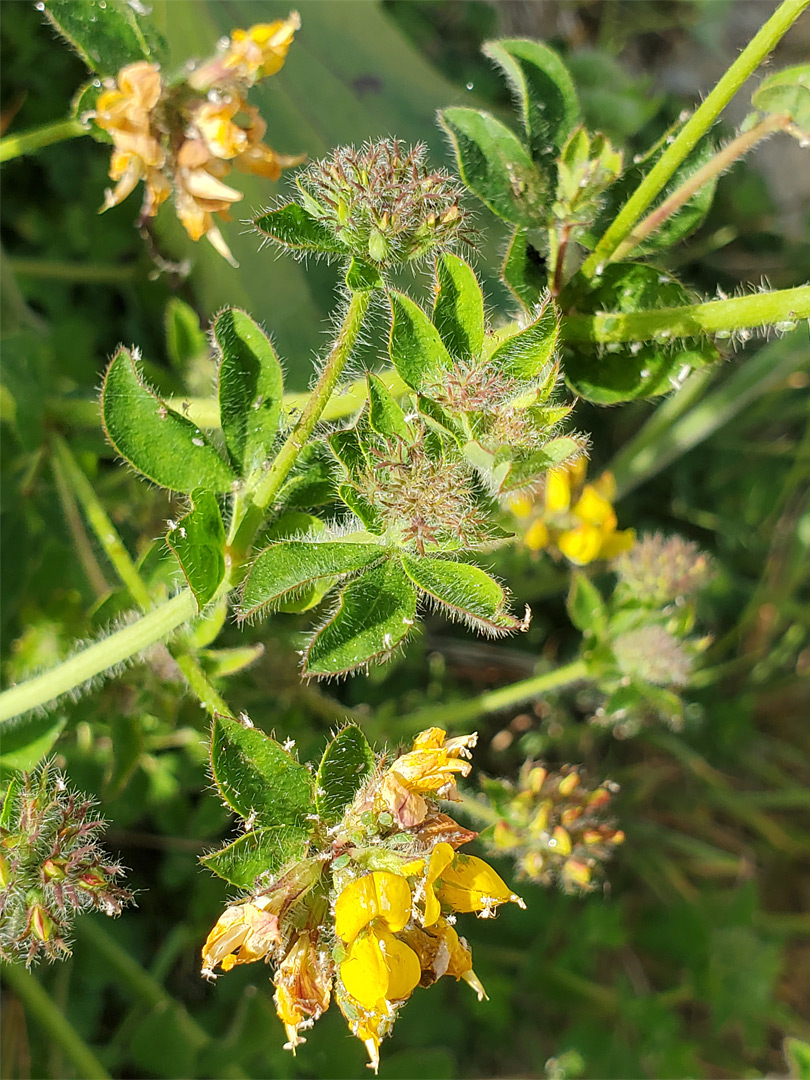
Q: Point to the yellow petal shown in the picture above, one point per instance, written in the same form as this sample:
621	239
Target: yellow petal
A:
558	491
379	968
593	509
536	536
470	884
380	895
441	857
580	545
616	543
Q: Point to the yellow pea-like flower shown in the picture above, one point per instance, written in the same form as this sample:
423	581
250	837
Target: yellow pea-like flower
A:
380	895
379	968
470	884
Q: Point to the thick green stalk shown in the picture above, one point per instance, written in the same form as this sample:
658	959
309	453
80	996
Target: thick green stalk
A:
28	142
44	1011
691	320
270	484
506	697
95	659
694	129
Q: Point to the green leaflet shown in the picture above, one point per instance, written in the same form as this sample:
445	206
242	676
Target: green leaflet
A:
198	541
251	390
586	608
283	568
415	347
524	355
310	482
376	613
788	92
25	740
468	592
107	34
458	312
294	227
495	166
260	851
257	777
362	275
362	508
186	341
160	444
524	269
385	416
348	762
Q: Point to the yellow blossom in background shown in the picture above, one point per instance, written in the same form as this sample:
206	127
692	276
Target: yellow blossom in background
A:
573	517
185	139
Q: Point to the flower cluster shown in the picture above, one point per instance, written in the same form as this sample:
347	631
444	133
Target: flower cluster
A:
184	137
661	570
573	517
368	914
553	825
52	866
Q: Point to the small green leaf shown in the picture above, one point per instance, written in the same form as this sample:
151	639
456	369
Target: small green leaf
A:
525	354
586	608
260	851
417	351
384	414
257	777
9	800
493	471
346	765
219	663
376	613
251	389
186	341
295	524
362	508
786	92
458	312
294	227
528	467
496	166
284	568
311	482
107	34
160	444
544	89
362	276
524	269
466	591
25	741
198	541
348	449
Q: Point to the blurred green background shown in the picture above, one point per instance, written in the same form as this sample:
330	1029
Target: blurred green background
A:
696	960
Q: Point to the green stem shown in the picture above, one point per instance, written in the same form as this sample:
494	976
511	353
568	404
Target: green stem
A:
13	146
694	129
270	484
506	697
81	541
45	1012
74	273
95	659
199	683
713	168
691	320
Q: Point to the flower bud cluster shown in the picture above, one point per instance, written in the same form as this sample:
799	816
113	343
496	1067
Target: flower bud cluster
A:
184	137
554	825
368	914
52	866
384	204
661	570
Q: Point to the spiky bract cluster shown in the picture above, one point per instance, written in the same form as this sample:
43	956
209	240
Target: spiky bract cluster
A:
554	826
52	866
662	570
384	203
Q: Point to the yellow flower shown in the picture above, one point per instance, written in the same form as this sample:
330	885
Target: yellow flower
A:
303	984
244	933
442	952
200	193
429	767
469	884
261	50
440	858
379	968
380	895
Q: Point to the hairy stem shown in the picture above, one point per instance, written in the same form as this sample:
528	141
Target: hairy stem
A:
28	142
694	129
95	659
691	320
39	1005
713	168
81	541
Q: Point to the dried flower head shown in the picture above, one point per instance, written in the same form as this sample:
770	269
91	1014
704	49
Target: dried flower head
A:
367	915
554	825
384	204
52	866
660	570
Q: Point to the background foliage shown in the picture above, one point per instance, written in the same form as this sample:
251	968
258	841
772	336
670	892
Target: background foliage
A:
695	961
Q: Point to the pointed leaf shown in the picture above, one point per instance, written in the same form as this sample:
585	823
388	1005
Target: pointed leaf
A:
347	764
525	354
362	508
257	777
219	663
311	482
496	166
385	416
458	312
527	467
25	740
260	851
376	613
198	541
524	269
586	607
160	444
545	91
468	592
251	389
786	92
416	350
294	227
347	448
107	34
283	569
362	276
186	341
